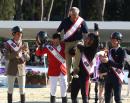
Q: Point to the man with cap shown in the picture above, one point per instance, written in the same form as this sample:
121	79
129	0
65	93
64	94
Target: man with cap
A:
74	26
115	61
17	54
84	68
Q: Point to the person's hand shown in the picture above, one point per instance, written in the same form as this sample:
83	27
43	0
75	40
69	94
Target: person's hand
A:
24	48
20	50
96	28
118	71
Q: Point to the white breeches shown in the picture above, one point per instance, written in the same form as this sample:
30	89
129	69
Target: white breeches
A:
21	83
128	85
63	84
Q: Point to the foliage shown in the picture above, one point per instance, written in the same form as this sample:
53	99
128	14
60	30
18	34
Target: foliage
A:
58	10
90	9
114	10
29	9
35	74
7	10
126	9
36	78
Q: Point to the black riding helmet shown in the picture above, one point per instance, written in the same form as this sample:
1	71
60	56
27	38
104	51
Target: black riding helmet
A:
42	37
117	35
90	35
90	38
16	29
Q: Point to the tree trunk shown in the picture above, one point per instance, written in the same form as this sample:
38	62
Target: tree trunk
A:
66	3
42	9
69	4
100	9
50	9
92	9
103	9
85	9
28	9
7	9
18	9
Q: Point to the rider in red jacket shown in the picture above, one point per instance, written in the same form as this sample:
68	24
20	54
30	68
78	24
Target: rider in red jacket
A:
57	66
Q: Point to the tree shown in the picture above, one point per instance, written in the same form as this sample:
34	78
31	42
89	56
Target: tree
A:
58	11
126	10
92	9
28	9
18	10
7	9
114	10
42	9
87	9
49	10
68	5
39	10
100	7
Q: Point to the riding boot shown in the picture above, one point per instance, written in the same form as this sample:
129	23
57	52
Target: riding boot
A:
85	100
22	97
64	99
53	100
9	98
74	101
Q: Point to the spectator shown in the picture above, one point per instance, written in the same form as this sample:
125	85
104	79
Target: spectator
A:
57	66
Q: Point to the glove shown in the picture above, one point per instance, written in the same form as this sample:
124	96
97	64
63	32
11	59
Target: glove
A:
118	71
96	28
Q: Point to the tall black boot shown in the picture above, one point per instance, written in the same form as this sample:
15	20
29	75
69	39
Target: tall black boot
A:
9	98
53	99
22	97
85	100
74	101
64	99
